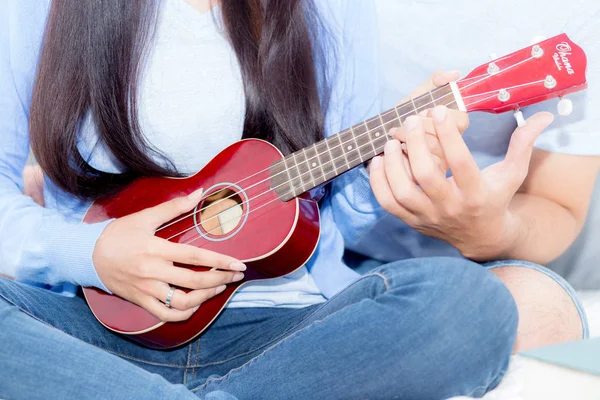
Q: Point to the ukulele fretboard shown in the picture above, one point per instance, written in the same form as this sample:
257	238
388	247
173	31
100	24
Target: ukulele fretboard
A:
312	166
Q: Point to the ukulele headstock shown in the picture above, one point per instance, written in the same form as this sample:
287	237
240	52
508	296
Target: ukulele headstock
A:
551	68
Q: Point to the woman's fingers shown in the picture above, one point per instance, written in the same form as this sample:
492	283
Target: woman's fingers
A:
190	279
162	312
424	169
191	255
165	212
181	300
464	169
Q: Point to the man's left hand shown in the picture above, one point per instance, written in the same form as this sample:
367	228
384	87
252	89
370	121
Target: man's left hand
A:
469	210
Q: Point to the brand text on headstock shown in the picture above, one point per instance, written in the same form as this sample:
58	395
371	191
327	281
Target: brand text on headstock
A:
561	57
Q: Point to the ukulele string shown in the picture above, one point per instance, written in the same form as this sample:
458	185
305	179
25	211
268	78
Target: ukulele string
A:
354	160
253	210
332	161
316	156
312	158
506	88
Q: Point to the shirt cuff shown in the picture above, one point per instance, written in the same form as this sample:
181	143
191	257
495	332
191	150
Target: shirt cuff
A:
72	250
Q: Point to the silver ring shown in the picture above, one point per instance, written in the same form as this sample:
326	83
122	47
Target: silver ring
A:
169	297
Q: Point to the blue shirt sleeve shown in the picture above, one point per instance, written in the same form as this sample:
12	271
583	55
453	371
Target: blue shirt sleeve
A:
354	206
36	244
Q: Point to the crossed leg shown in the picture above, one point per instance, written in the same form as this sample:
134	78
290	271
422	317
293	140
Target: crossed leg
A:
548	314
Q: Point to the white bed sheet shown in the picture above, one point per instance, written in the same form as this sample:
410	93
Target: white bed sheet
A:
512	386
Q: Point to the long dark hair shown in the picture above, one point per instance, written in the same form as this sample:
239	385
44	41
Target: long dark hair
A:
92	54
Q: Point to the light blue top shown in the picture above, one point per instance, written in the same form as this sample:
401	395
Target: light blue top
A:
51	246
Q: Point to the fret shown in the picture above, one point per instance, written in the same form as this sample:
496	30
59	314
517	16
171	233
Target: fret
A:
444	96
389	121
356	146
341	144
308	168
365	147
432	99
316	170
414	105
303	170
338	153
280	180
378	140
330	155
352	150
398	115
294	182
324	158
377	129
373	124
376	134
293	160
406	110
422	103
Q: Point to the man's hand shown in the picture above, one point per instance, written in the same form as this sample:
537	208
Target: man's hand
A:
438	79
469	210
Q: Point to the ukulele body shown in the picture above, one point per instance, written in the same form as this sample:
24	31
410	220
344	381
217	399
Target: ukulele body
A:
243	218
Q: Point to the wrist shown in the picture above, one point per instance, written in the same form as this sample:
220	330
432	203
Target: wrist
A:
512	238
496	241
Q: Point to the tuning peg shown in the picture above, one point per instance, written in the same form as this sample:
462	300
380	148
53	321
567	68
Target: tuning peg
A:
538	39
565	107
493	56
520	119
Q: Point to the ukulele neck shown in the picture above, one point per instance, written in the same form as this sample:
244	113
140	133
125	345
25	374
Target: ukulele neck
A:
312	166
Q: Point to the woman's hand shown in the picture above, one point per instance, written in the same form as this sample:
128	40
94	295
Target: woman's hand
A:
469	210
33	183
438	79
138	266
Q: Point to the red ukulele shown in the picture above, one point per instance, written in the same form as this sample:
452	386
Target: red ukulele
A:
256	205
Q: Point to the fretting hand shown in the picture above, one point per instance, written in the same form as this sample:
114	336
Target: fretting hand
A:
437	79
469	210
138	266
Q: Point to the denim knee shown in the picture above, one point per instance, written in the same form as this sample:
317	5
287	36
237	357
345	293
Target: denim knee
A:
473	312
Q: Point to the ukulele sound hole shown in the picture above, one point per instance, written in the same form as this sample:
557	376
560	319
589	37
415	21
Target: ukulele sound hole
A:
221	212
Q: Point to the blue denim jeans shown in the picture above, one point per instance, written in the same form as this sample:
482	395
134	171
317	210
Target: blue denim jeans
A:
427	328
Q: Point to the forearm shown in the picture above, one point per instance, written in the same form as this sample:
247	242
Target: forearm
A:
543	229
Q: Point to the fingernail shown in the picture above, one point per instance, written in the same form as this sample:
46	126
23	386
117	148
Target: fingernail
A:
237	266
196	195
376	163
196	308
391	147
423	113
220	289
238	277
439	113
392	132
404	147
412	123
